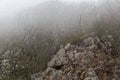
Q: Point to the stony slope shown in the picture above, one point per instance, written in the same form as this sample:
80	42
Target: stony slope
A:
88	58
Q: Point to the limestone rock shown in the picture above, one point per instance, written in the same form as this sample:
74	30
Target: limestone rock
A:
87	59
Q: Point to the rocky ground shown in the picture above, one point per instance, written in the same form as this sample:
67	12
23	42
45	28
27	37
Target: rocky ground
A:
88	58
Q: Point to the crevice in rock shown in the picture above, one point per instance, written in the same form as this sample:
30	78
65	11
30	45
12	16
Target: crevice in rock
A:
58	67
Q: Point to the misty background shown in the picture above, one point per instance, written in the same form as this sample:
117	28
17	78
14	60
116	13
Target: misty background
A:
55	10
18	14
57	17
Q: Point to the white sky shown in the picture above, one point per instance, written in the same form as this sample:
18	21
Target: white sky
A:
79	0
8	7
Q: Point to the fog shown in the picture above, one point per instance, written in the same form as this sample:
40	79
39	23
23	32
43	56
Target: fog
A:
16	14
10	7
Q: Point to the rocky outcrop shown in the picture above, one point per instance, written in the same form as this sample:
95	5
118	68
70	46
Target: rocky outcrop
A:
89	58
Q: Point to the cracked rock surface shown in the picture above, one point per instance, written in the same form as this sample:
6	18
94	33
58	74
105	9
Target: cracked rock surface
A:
89	58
